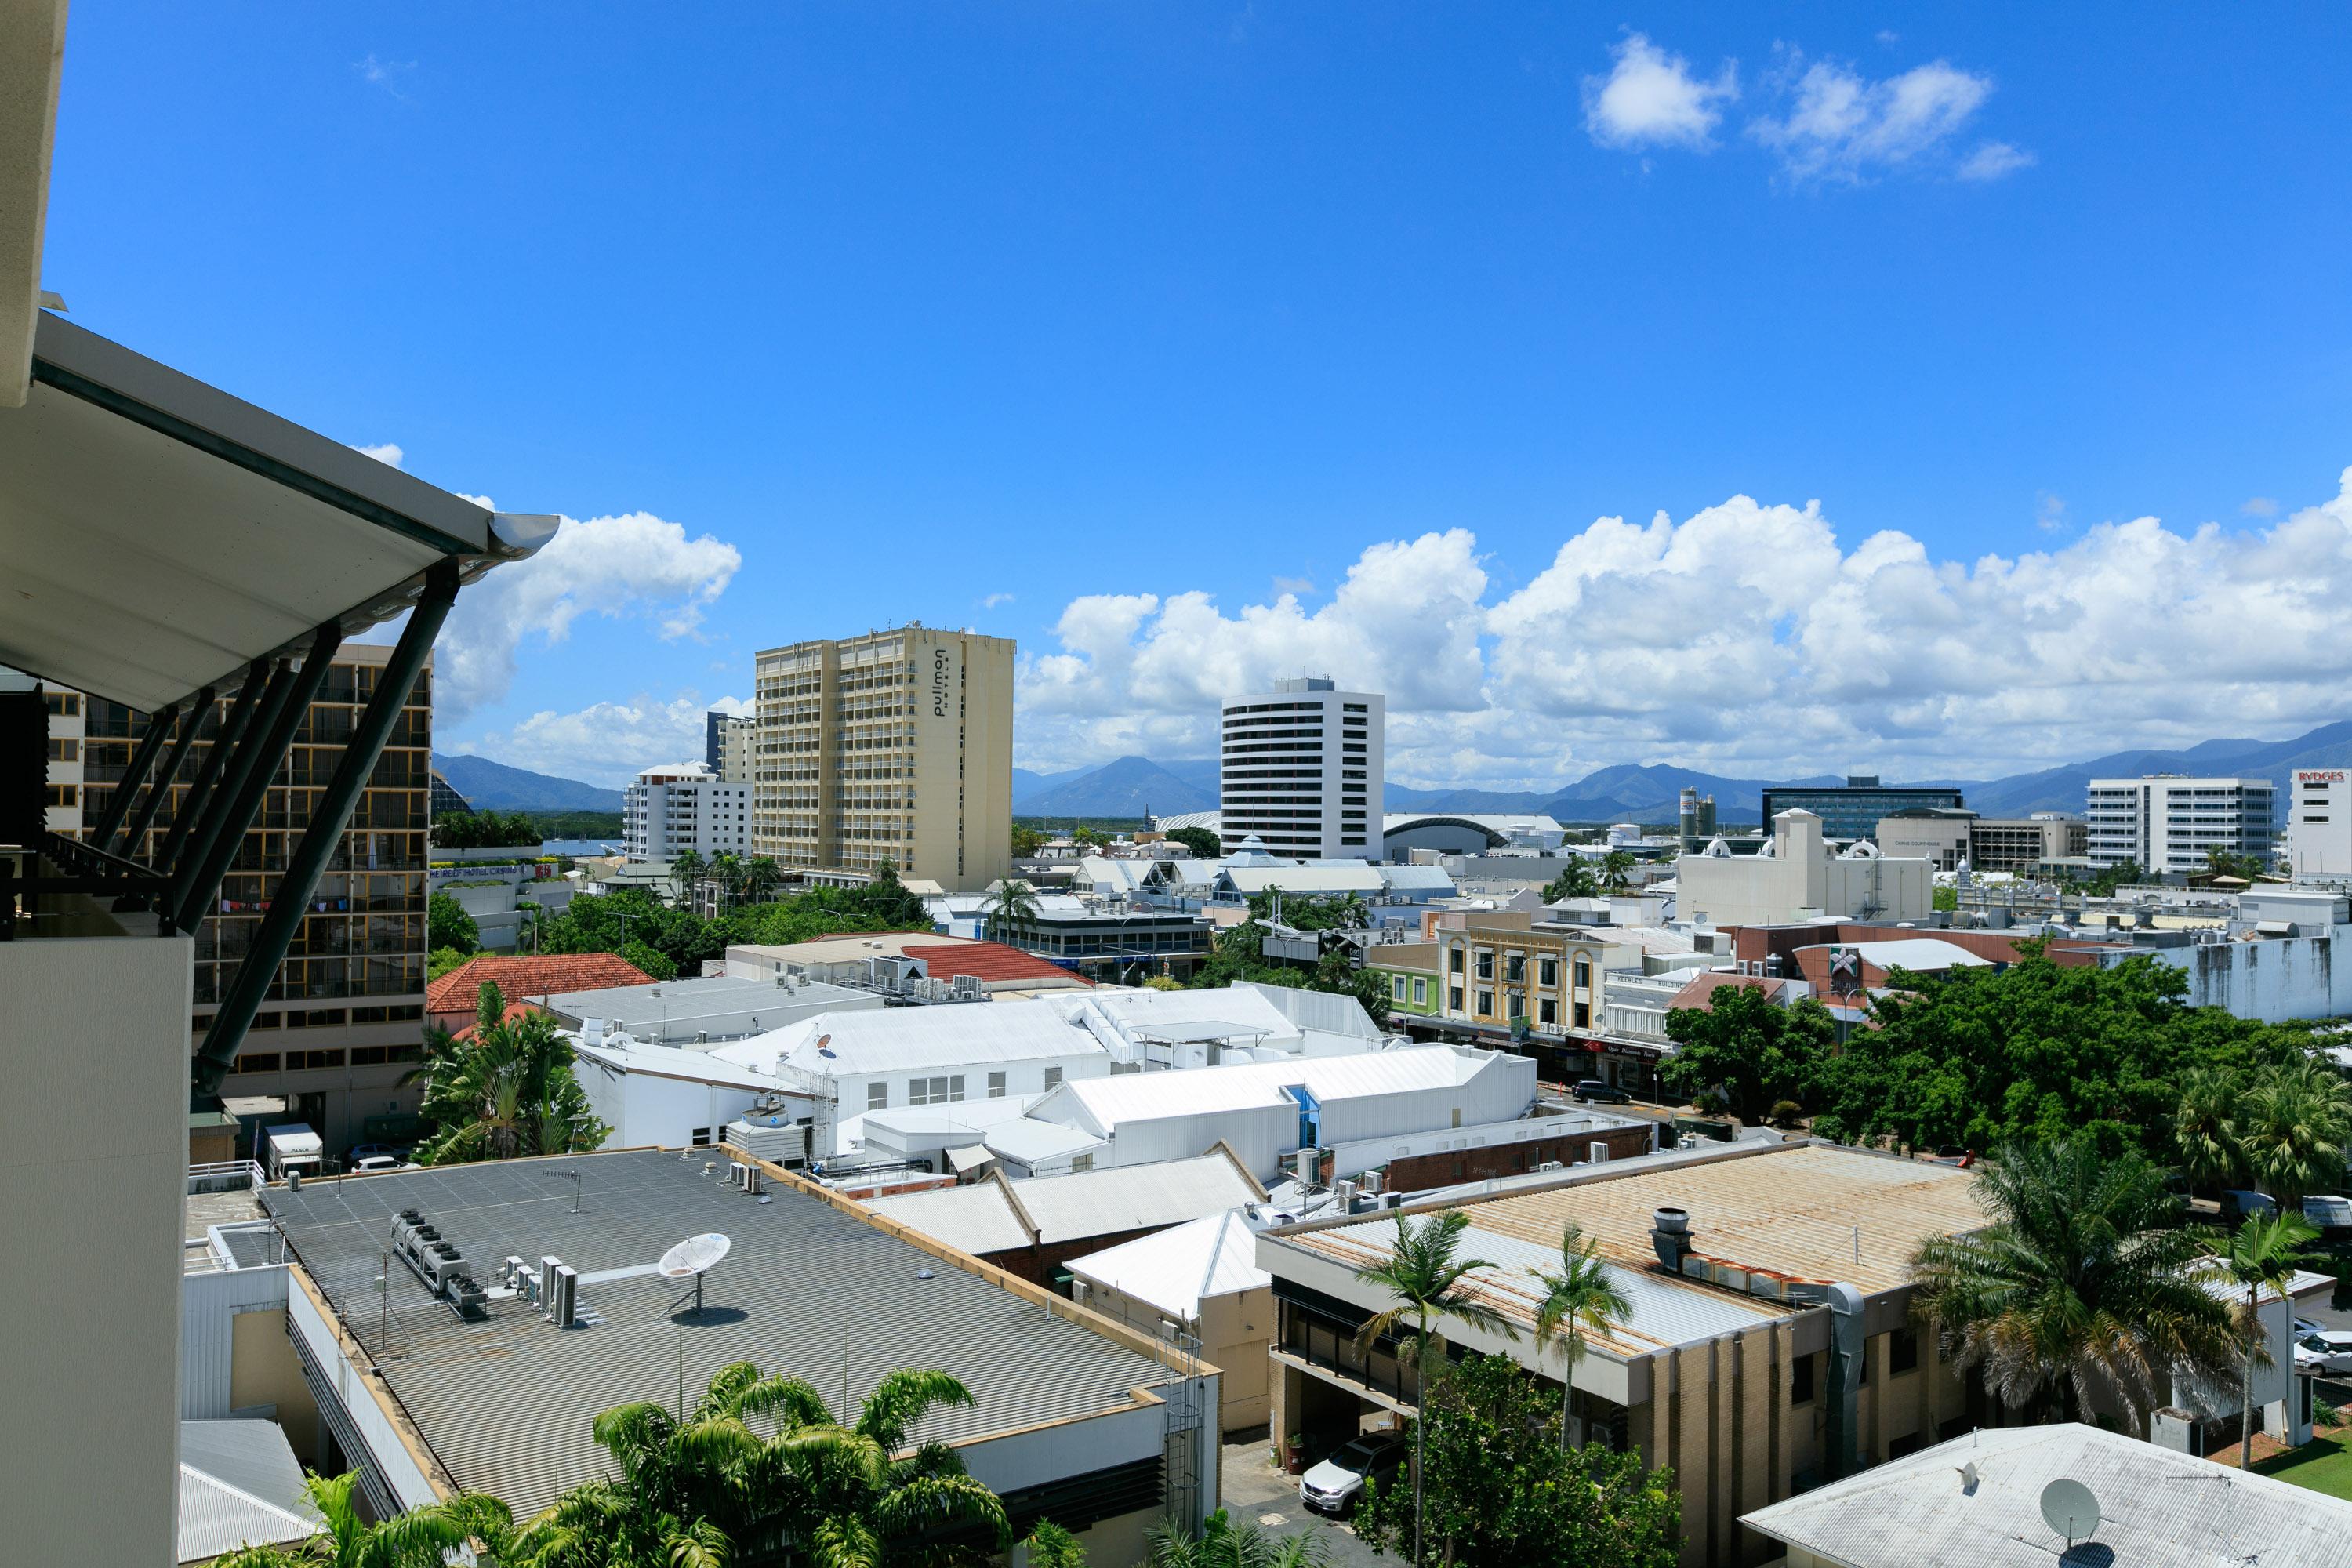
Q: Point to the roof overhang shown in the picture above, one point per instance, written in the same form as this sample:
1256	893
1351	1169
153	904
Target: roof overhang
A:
162	535
32	61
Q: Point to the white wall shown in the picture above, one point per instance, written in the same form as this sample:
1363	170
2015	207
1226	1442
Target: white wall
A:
93	1180
1026	1077
643	1108
209	1307
1800	874
2269	981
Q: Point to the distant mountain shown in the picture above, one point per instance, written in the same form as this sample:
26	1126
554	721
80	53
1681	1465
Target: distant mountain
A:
2062	789
494	786
1121	788
1623	792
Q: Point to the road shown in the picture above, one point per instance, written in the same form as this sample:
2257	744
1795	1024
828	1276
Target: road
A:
1256	1488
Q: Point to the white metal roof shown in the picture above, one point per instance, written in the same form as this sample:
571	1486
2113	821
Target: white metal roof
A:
239	1485
1322	1011
1107	1103
1172	1269
1143	1011
1251	879
668	1061
1034	1143
1921	953
902	1039
2157	1509
1134	1197
978	1218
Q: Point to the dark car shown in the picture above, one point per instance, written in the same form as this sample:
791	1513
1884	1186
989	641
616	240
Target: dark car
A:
1594	1090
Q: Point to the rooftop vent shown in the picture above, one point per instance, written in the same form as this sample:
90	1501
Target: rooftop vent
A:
1670	1236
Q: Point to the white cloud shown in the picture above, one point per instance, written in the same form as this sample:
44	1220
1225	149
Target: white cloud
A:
1650	99
1839	125
993	600
388	452
1746	638
607	743
632	566
1991	160
2258	506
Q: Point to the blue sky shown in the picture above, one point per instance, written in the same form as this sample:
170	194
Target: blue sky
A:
1194	345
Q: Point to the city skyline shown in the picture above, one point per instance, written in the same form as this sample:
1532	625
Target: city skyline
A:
1331	342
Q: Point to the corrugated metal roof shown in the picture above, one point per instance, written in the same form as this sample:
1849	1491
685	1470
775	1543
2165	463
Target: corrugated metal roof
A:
507	1403
902	1039
666	1061
1174	1268
978	1218
1252	879
1325	1011
1197	1092
1030	1141
2157	1509
1237	1011
1073	1207
240	1485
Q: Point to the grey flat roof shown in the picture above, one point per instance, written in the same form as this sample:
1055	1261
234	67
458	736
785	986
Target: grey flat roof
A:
681	1003
505	1404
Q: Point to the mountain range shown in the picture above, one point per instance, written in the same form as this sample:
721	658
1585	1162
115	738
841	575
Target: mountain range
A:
494	786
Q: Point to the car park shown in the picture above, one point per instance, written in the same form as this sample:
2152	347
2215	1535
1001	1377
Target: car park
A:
1335	1484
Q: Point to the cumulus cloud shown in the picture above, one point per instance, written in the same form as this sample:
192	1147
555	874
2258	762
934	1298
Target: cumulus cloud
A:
387	452
1991	160
993	600
1839	125
635	567
1748	637
607	743
1652	99
2258	506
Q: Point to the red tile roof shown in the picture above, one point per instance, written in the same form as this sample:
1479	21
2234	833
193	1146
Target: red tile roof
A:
514	1010
527	975
1700	992
988	960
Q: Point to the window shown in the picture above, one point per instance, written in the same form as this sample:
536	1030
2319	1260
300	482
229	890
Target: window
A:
878	1097
1800	1381
1486	966
1396	988
1863	1380
1420	992
1081	1162
934	1090
1584	973
1548	970
996	1086
1456	956
1486	1002
1514	968
1584	1014
1453	998
702	1138
1053	1077
1547	1012
64	794
1903	1350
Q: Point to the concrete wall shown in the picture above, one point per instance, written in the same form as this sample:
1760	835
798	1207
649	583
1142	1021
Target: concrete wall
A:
643	1108
2272	980
1235	1331
93	1040
1799	875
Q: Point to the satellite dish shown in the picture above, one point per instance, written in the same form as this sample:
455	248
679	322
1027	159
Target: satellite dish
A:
695	1255
2070	1508
824	1045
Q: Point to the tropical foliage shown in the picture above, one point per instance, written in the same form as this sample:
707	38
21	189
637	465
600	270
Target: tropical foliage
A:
1228	1543
506	1092
610	922
1199	840
1010	905
1747	1052
485	830
1499	1489
2262	1255
1240	950
1576	881
448	925
761	1471
2085	1292
1581	1299
421	1537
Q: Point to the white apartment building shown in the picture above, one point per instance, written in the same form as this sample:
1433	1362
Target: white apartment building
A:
2319	823
896	746
1301	770
732	757
2168	822
680	806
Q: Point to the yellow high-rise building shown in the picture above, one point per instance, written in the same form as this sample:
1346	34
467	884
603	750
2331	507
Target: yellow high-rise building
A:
896	746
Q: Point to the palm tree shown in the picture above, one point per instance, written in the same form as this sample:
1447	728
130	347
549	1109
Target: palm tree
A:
727	870
508	1092
686	868
2085	1287
2265	1251
2292	1127
1225	1543
761	876
421	1537
1580	1297
1011	905
1423	1272
2205	1127
1051	1546
1617	867
760	1471
1577	882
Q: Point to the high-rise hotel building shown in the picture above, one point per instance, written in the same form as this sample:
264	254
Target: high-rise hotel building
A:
896	746
342	1022
2167	823
1300	770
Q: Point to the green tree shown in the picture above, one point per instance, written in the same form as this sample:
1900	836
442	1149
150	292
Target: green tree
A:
1576	880
2291	1127
1582	1298
760	1471
727	869
2205	1128
441	961
1423	1272
448	925
761	878
1227	1542
1337	973
508	1091
420	1538
1199	840
686	868
657	964
1500	1491
1011	905
2263	1254
1051	1546
1027	842
1752	1050
1617	868
2084	1289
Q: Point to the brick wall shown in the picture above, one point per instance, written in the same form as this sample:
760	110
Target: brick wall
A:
1423	1170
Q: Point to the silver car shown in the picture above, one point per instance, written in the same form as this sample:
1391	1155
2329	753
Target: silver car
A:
2327	1353
1333	1486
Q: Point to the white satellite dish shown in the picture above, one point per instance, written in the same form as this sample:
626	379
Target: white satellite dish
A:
696	1254
2070	1508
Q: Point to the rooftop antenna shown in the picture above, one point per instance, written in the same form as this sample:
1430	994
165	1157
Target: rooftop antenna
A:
691	1260
2070	1508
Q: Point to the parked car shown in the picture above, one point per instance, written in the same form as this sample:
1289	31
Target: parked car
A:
2238	1206
1333	1486
358	1153
2327	1352
376	1164
1594	1091
2331	1213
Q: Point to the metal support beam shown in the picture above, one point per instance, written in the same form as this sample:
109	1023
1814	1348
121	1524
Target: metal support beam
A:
261	753
158	725
329	817
208	771
144	818
236	767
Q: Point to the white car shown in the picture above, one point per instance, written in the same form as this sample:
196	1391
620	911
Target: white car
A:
376	1164
2327	1352
1333	1486
2331	1213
